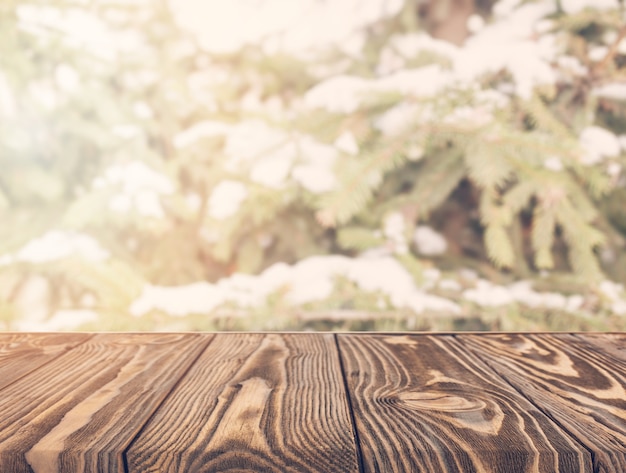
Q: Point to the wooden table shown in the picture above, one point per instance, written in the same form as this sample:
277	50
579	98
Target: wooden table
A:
312	402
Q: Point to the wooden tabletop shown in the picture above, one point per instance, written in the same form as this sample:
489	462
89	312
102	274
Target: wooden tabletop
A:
190	402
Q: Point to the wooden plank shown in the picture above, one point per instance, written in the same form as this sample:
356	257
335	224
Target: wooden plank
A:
580	388
613	344
253	402
424	404
80	411
21	353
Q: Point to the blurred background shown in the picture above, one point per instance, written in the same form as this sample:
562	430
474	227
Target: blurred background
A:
312	165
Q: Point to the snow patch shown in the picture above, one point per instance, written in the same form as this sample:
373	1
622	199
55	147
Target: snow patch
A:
615	91
287	26
347	143
488	294
428	241
315	171
55	245
226	199
140	185
203	129
339	94
575	6
309	280
398	119
598	143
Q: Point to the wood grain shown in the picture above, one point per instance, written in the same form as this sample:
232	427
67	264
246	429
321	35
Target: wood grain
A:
611	344
80	411
424	404
580	387
21	353
270	403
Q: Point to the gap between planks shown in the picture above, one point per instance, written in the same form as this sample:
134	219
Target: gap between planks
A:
156	409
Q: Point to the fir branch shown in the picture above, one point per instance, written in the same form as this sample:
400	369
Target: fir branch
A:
542	237
360	183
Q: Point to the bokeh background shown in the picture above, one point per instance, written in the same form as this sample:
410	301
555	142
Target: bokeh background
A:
312	165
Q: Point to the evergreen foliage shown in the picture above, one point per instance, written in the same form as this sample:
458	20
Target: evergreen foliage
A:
145	160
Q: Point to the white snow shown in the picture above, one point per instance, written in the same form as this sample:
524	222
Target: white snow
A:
488	294
598	143
394	228
612	290
398	119
55	245
148	203
314	171
345	94
203	129
200	297
309	280
250	138
553	163
294	27
347	143
575	6
503	8
509	44
572	65
410	45
226	199
614	169
339	94
140	188
428	241
522	292
389	61
450	285
619	307
421	82
81	28
252	146
135	176
615	91
272	169
475	23
66	77
597	53
469	116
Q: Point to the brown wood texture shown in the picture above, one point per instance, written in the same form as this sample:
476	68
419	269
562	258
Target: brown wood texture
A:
267	403
81	410
235	402
21	353
574	382
612	344
424	404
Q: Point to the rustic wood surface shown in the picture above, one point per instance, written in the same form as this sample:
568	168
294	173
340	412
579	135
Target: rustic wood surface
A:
306	402
81	410
429	394
21	353
582	389
264	403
